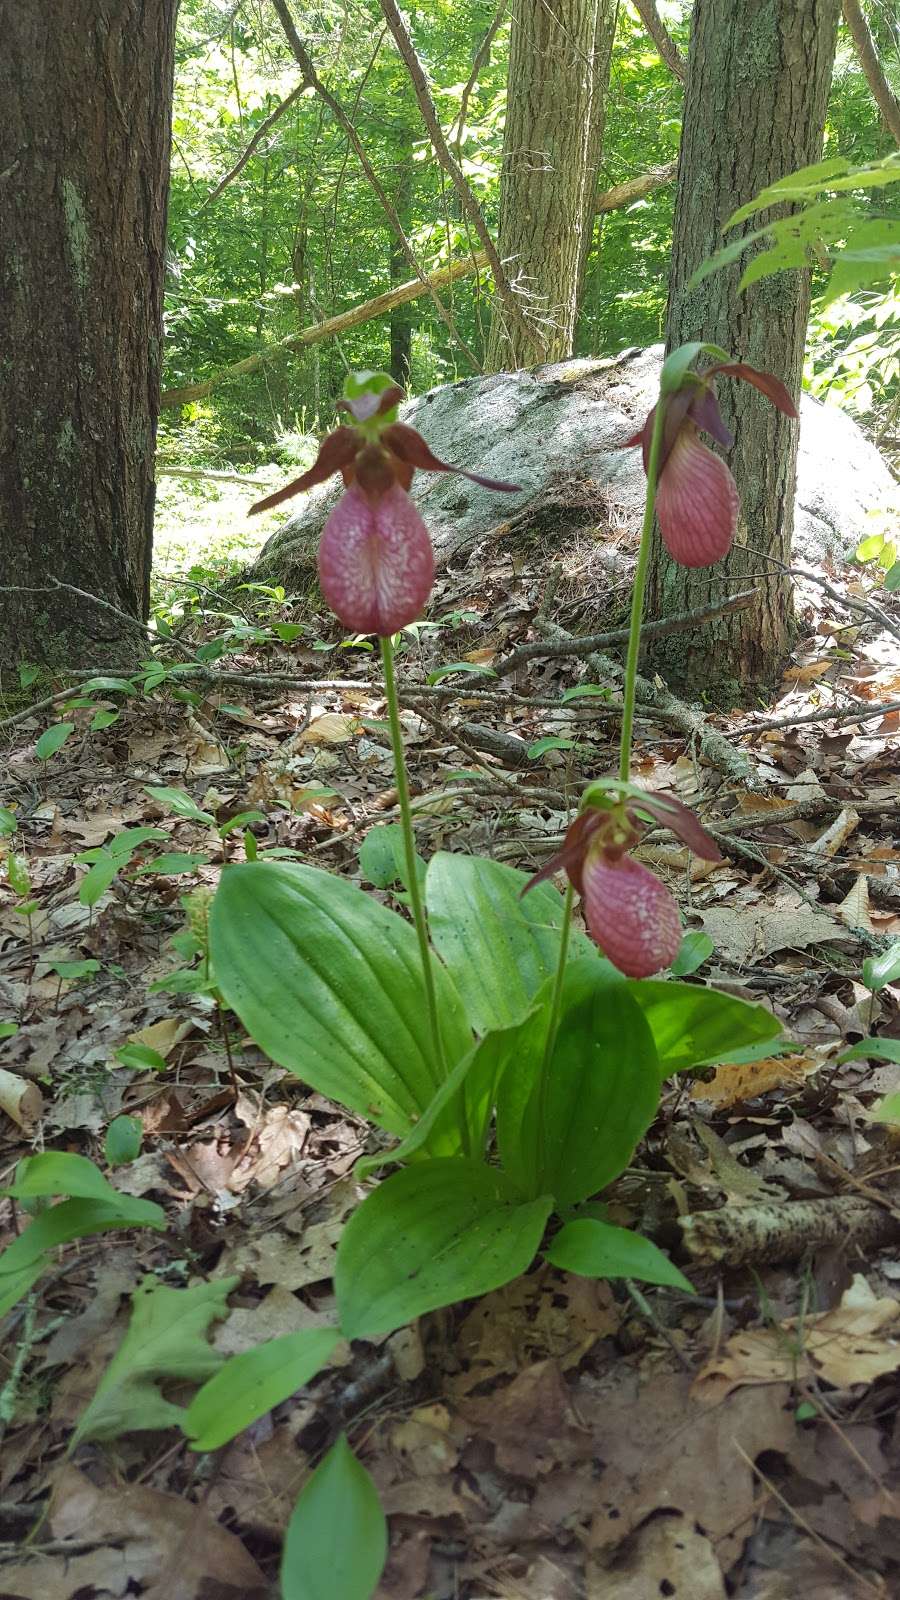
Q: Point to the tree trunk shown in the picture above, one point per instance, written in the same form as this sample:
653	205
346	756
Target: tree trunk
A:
558	66
605	21
758	81
85	118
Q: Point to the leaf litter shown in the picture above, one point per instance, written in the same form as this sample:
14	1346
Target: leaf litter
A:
562	1439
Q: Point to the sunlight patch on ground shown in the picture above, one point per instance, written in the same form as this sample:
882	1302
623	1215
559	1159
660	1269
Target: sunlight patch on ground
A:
202	524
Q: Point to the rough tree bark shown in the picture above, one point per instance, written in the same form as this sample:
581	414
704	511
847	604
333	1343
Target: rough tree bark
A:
85	117
557	82
757	88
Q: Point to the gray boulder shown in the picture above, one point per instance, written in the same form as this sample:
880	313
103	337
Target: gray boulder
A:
557	430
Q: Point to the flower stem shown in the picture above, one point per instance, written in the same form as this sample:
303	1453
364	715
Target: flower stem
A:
637	599
409	847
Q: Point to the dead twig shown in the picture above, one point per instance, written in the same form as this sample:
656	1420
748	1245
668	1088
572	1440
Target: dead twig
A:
859	711
574	645
660	701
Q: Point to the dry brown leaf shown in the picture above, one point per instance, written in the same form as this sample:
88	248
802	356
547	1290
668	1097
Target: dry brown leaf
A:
738	1183
533	1317
424	1441
169	1546
531	1423
668	1556
278	1134
332	727
751	804
407	1353
855	1343
662	1452
809	673
734	1083
751	933
854	910
162	1036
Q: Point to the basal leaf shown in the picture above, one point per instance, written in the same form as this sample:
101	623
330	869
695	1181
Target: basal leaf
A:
499	946
336	1542
329	983
598	1250
437	1232
23	1261
693	1026
583	1116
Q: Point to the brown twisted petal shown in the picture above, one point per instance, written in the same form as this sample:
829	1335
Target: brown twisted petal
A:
570	859
670	812
408	445
336	452
765	382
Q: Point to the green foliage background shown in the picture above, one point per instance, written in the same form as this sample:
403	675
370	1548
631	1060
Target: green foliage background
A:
298	234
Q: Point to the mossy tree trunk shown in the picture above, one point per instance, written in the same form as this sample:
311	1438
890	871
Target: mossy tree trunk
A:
758	81
85	120
556	89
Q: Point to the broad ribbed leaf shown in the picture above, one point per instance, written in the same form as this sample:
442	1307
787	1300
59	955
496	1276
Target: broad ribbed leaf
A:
499	947
578	1126
457	1122
329	983
693	1026
435	1233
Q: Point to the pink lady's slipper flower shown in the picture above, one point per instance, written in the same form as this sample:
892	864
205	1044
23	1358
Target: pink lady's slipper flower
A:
629	913
376	564
696	499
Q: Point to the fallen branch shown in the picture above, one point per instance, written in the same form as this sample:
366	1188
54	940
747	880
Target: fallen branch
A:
882	93
859	711
574	645
742	1235
162	470
803	810
863	608
330	328
625	194
437	693
622	194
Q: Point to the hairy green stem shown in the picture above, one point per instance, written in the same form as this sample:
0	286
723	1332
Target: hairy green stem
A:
637	599
409	848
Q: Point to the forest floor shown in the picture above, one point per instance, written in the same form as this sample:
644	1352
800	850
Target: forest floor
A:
561	1439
